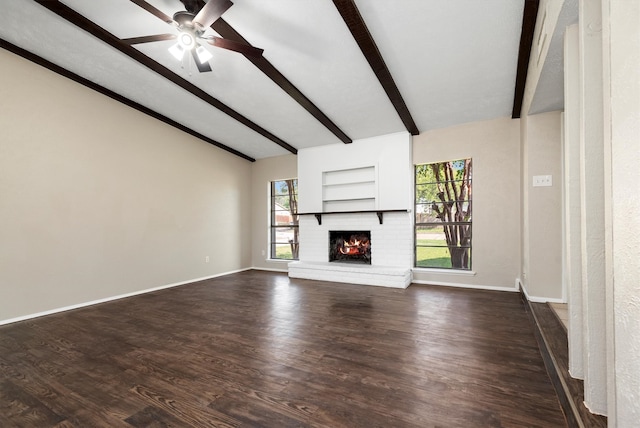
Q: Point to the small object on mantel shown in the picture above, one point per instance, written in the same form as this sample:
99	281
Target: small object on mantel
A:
379	213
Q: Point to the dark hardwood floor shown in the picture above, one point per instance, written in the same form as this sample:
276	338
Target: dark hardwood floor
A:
256	349
553	342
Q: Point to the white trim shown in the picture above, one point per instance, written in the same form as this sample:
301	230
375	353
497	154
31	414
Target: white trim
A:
536	299
474	286
120	296
280	260
444	271
269	269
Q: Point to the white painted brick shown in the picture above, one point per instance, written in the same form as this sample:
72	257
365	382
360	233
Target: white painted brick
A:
392	244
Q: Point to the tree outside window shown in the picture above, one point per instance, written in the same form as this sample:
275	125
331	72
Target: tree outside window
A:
284	219
443	214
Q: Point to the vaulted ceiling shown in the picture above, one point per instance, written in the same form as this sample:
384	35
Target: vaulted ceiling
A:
331	71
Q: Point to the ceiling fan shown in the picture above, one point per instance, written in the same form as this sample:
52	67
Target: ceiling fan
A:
192	24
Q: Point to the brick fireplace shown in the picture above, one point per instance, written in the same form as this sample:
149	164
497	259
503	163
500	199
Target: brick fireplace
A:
361	187
391	252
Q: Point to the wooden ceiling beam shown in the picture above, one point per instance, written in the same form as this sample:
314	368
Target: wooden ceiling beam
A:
113	95
226	31
223	28
80	21
529	17
229	33
154	11
351	16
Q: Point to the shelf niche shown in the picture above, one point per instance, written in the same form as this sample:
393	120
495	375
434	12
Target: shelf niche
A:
349	189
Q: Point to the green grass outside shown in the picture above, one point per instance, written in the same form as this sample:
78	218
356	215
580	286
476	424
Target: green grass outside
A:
436	257
283	252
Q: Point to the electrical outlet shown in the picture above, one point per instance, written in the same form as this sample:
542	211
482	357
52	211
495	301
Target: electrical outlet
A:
263	253
206	259
542	181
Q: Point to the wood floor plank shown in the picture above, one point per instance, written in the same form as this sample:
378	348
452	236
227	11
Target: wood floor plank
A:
153	417
257	349
552	337
23	409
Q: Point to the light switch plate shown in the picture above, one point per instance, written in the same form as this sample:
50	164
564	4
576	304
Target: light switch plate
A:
542	181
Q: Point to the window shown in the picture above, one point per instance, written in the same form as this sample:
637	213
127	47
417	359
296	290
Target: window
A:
443	215
284	222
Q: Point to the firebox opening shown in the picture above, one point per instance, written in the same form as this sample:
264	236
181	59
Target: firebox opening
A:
348	246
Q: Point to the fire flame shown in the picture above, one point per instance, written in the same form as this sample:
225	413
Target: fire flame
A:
353	247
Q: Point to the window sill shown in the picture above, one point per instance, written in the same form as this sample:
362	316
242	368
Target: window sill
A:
445	271
281	260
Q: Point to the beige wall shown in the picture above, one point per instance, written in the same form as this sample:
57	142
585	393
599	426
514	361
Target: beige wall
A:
495	148
542	207
541	155
264	171
99	200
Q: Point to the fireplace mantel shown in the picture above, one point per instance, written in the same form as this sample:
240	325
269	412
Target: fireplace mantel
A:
379	213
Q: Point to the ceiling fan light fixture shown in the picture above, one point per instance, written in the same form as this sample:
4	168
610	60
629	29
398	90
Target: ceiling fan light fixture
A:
203	54
177	51
187	40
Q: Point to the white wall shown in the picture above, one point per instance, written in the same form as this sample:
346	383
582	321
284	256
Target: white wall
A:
494	147
390	154
99	200
621	34
592	215
606	65
572	203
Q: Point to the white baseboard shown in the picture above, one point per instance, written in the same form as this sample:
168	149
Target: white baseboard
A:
459	285
536	299
109	299
270	269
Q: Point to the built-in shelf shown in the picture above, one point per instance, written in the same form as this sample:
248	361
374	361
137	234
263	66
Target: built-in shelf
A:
351	204
349	189
379	213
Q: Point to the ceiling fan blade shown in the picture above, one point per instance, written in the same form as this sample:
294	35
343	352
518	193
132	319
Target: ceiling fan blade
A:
202	67
211	11
231	45
148	39
151	9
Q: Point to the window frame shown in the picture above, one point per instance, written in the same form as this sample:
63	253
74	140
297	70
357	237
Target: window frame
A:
273	222
421	213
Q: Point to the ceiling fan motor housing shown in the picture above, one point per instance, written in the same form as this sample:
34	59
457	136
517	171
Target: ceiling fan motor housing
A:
185	22
189	31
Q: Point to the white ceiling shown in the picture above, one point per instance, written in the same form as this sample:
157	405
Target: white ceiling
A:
453	61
